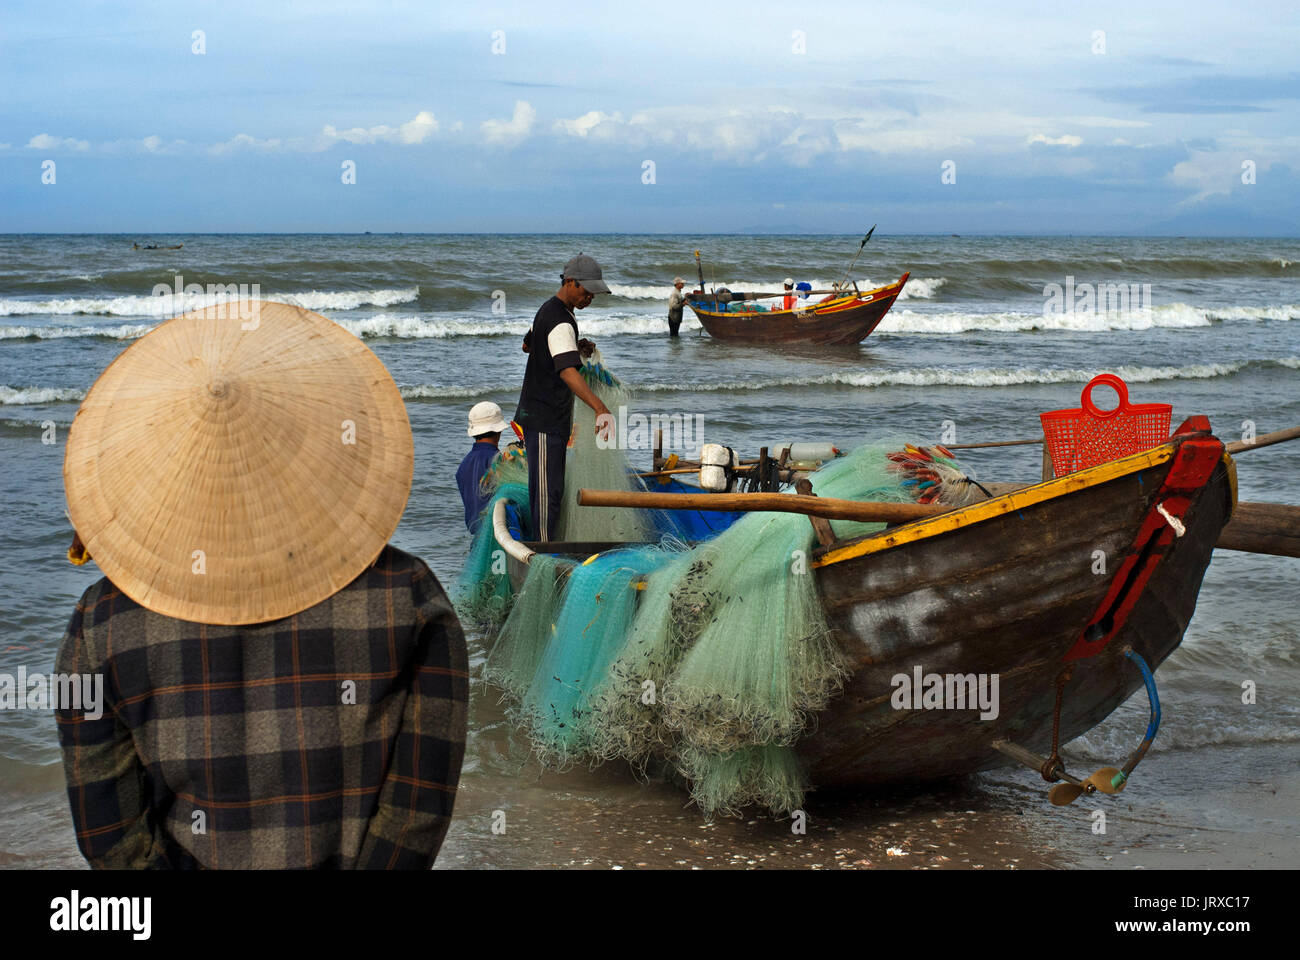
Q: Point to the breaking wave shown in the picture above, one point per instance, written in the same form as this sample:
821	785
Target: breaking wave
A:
172	305
1167	315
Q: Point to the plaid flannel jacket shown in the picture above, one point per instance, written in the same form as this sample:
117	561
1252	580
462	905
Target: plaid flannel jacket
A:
332	738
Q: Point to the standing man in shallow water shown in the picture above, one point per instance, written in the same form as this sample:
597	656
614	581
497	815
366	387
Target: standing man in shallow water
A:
676	301
551	381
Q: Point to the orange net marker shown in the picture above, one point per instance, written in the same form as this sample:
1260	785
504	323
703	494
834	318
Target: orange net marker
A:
1085	437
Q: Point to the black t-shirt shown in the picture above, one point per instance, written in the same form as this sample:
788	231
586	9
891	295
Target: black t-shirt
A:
546	402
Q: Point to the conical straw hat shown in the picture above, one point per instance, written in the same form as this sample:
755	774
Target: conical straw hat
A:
239	464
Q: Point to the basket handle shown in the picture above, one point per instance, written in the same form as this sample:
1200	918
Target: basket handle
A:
1104	380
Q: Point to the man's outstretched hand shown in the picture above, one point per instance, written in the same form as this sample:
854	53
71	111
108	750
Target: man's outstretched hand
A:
604	423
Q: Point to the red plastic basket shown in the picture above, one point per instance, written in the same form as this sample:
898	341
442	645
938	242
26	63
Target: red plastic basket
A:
1086	437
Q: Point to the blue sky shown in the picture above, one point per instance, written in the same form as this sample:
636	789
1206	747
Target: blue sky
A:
1124	118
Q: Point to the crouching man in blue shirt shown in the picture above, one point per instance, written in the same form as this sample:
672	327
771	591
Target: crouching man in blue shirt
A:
485	425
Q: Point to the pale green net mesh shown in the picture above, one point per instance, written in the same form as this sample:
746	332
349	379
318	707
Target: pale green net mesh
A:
715	658
528	629
593	465
483	594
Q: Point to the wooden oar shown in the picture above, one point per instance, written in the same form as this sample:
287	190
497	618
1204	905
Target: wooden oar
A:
829	507
1272	528
1264	440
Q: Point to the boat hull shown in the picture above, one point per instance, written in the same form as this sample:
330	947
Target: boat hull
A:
1009	596
847	321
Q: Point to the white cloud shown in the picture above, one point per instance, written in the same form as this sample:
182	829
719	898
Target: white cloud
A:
512	131
1219	170
416	130
1066	140
151	143
583	125
43	141
419	129
243	141
853	135
1207	172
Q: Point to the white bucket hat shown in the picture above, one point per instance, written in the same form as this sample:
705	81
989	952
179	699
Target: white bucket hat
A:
486	417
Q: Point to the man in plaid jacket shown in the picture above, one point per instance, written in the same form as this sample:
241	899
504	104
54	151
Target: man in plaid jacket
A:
247	722
331	738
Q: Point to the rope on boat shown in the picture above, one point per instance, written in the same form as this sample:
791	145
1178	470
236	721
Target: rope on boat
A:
1174	522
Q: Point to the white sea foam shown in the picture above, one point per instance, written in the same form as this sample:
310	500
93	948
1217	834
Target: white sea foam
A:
19	396
125	331
951	377
171	305
421	328
1165	315
921	377
918	288
437	392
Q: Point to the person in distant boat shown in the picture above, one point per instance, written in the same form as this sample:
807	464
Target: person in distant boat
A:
787	302
287	689
551	381
486	425
676	301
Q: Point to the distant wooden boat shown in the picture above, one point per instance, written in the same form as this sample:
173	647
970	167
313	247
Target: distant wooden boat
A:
1009	586
838	319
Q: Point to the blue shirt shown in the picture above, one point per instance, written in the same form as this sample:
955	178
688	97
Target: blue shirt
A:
469	474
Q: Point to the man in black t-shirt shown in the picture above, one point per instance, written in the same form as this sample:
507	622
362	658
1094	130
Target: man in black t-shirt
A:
551	381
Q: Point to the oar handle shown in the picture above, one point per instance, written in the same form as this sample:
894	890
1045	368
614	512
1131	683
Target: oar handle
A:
813	506
1264	440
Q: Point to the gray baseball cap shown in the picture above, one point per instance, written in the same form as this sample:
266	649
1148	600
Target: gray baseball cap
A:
586	271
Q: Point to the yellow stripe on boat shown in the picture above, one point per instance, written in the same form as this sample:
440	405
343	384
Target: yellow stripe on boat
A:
1231	464
998	506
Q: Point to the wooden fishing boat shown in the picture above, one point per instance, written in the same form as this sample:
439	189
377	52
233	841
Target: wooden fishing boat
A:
1052	587
1011	586
839	319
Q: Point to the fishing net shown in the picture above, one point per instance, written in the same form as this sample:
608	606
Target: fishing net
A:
596	466
715	658
599	604
512	662
627	721
738	628
768	775
760	586
934	476
509	466
483	593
